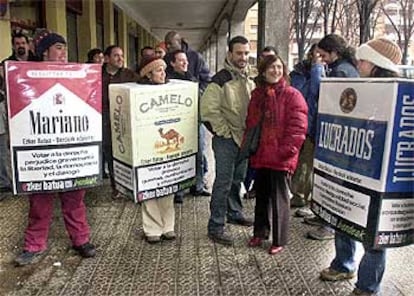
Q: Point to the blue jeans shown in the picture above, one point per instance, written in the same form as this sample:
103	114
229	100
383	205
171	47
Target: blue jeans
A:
371	268
4	161
201	164
225	199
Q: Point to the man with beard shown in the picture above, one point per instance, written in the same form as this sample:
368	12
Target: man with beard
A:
196	65
113	71
21	51
223	111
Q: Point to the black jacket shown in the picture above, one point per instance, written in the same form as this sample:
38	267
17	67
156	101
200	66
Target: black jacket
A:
196	65
13	57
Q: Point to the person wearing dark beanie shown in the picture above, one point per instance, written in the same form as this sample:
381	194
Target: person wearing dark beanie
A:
95	56
51	47
150	66
46	39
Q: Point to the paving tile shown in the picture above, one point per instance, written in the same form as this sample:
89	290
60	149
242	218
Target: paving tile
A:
191	265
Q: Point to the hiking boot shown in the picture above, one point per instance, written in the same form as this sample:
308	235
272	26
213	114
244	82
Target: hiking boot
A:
297	201
86	250
170	235
359	292
321	233
27	257
179	197
221	238
314	221
329	274
178	201
242	221
195	192
304	213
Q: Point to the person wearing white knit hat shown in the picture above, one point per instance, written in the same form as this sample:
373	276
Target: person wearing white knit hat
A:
158	214
378	53
152	70
376	58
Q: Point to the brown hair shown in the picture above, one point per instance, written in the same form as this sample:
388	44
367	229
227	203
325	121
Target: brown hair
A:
264	64
335	43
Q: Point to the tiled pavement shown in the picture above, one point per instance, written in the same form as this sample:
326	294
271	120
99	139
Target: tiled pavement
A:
192	265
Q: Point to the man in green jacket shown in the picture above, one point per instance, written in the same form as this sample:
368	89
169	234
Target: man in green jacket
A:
223	111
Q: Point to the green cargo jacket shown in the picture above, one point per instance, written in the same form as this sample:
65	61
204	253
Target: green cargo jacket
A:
225	101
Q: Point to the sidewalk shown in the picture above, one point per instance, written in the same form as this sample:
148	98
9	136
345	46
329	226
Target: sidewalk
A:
192	265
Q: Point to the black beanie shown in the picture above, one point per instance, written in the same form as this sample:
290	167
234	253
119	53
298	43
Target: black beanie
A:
46	39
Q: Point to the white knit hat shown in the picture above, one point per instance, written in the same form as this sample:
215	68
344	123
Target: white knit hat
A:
150	64
381	52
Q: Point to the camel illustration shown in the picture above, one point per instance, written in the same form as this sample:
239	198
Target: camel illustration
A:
172	137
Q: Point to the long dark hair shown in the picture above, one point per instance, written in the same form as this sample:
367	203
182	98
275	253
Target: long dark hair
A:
335	43
381	72
92	53
264	64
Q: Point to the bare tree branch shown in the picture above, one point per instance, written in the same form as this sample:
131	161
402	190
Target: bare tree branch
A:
402	23
306	14
365	8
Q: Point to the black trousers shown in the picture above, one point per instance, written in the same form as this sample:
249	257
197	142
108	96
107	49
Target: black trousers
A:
272	209
107	152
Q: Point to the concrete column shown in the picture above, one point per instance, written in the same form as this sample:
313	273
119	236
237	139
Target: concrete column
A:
210	55
144	37
213	56
221	50
151	40
237	28
147	38
87	28
154	41
141	42
206	54
274	26
56	16
5	33
222	40
123	34
108	22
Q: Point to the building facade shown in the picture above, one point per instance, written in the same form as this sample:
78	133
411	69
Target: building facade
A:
85	24
384	27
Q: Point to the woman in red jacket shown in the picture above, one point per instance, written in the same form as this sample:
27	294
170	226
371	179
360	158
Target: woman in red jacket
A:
284	112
